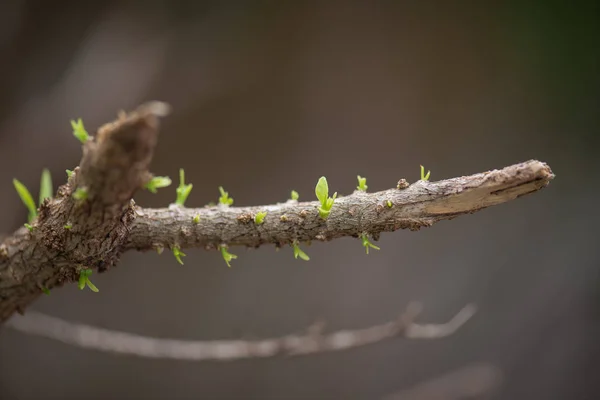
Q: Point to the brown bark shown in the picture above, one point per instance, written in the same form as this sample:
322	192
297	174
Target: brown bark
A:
71	234
420	205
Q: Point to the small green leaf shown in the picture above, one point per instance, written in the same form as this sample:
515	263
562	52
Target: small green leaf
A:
295	195
68	226
227	256
423	176
331	200
45	186
362	184
178	254
29	227
158	182
92	287
183	190
259	218
79	131
225	199
322	190
389	204
82	279
299	253
196	219
46	291
367	243
69	173
26	198
80	194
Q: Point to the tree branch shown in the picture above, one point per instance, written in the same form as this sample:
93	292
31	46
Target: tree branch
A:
420	205
74	232
314	341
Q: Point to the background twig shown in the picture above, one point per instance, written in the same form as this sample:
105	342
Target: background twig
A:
314	341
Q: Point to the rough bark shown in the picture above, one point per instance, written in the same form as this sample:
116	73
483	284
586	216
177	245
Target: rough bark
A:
420	205
70	235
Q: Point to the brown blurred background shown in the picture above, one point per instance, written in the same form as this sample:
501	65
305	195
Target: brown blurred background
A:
269	96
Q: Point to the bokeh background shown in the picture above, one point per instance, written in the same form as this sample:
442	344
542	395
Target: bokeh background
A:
269	96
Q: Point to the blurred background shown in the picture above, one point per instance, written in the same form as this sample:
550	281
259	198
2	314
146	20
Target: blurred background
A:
269	96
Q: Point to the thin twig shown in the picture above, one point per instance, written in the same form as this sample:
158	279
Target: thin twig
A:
314	341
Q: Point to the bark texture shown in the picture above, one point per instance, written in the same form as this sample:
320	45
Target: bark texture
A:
70	235
419	205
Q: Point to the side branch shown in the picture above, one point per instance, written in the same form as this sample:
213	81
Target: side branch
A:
420	205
